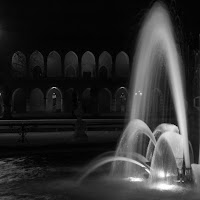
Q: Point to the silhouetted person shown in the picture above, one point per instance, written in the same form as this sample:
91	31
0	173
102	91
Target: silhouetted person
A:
54	101
123	102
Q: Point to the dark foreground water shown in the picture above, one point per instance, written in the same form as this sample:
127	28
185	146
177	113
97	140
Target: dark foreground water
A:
53	174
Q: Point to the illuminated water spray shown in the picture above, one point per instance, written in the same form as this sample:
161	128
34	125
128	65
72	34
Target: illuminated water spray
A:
157	38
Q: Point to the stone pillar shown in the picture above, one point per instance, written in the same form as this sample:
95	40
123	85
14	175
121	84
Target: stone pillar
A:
45	107
113	106
80	125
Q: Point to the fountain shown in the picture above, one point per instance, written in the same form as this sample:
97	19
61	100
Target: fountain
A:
150	161
167	149
156	37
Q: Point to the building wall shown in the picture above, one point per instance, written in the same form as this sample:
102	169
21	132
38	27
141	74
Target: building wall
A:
54	84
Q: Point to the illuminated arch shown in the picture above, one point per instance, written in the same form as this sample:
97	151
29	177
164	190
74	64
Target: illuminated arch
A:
36	62
19	64
54	67
71	65
105	60
122	65
121	96
88	65
104	100
36	100
19	101
54	100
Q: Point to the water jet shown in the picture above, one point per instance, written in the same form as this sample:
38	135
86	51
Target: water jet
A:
167	152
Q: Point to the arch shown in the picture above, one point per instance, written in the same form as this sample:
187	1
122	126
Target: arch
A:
121	96
54	65
19	101
19	64
104	100
86	100
36	64
105	60
88	65
37	72
36	100
122	65
70	72
70	101
71	65
103	73
54	100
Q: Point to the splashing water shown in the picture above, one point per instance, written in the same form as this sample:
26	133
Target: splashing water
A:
164	167
160	129
129	139
111	159
129	144
156	38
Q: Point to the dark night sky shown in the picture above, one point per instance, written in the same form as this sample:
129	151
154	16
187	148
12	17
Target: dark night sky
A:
81	25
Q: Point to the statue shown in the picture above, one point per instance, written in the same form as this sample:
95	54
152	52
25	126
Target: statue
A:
80	125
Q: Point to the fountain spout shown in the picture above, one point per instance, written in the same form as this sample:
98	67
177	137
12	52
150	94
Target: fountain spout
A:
188	177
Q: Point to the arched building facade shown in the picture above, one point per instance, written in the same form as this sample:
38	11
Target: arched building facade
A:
53	85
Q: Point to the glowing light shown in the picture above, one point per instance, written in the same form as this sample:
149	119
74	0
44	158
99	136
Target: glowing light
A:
168	174
135	179
164	186
139	92
161	174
